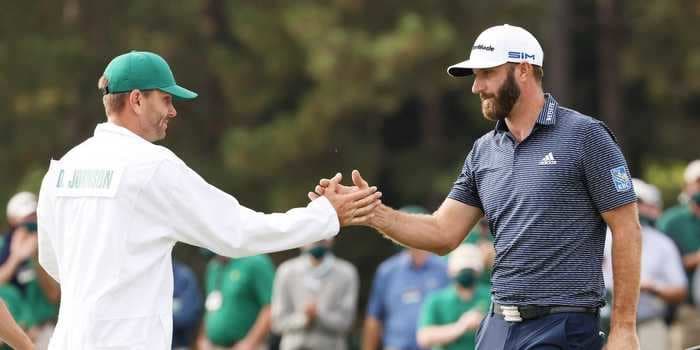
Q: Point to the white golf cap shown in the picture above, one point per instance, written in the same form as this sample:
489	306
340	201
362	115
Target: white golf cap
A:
465	256
498	45
21	205
647	193
692	172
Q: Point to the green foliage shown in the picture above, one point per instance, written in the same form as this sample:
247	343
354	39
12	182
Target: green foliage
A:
291	91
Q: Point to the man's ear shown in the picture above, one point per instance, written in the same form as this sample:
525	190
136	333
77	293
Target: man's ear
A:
522	70
135	100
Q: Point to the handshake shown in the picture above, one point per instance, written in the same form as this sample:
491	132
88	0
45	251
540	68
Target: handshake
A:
355	205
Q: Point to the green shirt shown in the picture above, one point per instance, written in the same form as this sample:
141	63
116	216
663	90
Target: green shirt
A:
245	285
683	227
445	307
30	307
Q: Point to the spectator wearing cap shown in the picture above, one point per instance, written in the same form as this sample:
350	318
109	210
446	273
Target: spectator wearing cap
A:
36	308
682	224
237	306
187	306
400	286
663	279
481	236
450	317
314	299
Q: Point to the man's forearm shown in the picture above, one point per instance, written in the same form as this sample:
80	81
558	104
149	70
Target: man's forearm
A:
671	295
10	331
261	327
419	231
371	334
7	269
626	252
433	336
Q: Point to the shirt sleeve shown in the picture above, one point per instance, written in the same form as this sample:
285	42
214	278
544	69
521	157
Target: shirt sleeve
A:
200	214
606	175
464	188
375	306
47	252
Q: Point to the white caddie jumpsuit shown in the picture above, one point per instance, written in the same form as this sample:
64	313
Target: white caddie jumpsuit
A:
110	212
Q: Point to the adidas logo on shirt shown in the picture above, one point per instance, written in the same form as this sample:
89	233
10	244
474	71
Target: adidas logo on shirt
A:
548	159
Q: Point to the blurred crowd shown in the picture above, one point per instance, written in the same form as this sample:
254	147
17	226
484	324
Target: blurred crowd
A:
417	300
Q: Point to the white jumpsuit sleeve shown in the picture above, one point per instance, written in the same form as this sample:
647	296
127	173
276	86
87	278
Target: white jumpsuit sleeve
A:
202	215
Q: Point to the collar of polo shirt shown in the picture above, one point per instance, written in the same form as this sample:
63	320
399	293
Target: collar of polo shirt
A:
548	115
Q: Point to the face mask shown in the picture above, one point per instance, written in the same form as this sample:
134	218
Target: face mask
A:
696	198
318	252
646	221
466	278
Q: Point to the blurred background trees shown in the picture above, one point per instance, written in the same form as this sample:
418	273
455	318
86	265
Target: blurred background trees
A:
291	91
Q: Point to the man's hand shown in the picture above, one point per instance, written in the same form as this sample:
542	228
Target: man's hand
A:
469	320
623	339
311	312
353	204
24	245
245	344
358	181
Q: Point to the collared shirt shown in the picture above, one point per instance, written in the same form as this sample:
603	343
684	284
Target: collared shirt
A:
237	291
661	264
683	226
543	198
110	212
446	306
332	285
398	291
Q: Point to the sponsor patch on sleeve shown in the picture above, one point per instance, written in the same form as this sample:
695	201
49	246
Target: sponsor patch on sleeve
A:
620	178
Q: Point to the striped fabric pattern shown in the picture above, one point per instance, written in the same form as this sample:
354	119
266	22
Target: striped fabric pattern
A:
543	198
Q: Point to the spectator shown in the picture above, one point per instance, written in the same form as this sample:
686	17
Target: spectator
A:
314	300
450	317
662	278
187	306
238	303
19	268
682	224
481	236
398	290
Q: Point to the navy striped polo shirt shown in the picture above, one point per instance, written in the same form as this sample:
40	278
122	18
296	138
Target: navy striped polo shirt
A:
543	198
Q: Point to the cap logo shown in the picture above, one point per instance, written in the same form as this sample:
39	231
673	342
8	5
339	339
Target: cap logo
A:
520	55
482	47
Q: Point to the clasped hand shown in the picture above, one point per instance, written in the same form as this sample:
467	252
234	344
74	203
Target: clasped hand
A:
353	204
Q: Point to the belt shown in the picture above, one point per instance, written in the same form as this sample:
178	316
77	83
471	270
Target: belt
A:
514	313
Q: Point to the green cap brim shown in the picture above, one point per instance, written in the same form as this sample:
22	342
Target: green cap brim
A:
179	92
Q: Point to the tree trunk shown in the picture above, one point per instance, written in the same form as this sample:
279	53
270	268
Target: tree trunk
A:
557	66
609	22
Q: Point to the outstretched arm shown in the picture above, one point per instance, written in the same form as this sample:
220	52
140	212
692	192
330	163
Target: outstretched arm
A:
440	232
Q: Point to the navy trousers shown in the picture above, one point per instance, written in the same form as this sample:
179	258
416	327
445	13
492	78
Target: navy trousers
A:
568	330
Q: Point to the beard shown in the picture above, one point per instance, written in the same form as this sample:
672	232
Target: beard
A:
497	107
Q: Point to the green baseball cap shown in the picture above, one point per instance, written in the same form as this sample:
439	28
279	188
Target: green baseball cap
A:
144	71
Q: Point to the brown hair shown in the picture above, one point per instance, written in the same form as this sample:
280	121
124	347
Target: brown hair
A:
114	102
538	72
